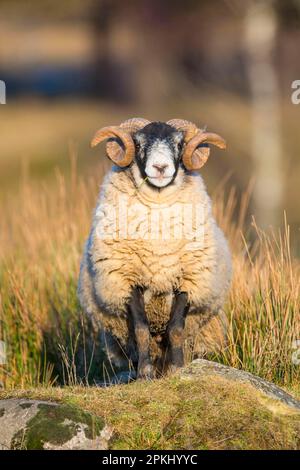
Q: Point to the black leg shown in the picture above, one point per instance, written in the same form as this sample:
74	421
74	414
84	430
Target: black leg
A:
175	330
142	333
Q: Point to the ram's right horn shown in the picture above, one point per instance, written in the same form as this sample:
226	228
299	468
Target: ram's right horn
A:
120	149
124	155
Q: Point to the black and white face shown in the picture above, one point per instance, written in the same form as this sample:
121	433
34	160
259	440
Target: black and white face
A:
158	153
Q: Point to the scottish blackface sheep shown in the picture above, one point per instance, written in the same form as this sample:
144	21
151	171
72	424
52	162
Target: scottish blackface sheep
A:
156	267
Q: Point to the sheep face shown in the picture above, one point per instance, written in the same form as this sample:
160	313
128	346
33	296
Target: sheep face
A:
157	147
158	155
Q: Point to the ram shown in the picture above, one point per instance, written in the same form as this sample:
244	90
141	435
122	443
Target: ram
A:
156	267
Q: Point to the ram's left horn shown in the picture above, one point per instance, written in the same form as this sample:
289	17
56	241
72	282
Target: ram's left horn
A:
195	157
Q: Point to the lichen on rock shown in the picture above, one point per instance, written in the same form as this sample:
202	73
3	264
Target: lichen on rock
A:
32	424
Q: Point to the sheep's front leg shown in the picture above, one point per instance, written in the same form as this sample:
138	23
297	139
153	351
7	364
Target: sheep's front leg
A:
175	330
142	333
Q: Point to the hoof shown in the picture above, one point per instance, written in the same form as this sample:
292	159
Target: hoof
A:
146	372
173	368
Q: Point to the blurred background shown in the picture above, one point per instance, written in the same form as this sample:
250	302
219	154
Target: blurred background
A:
71	67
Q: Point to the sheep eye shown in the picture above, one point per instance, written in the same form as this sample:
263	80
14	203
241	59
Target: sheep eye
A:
137	147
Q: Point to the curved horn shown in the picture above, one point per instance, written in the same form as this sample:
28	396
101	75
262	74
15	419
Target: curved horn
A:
189	129
113	149
195	156
134	124
124	155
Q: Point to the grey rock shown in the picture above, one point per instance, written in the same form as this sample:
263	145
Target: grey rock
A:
34	424
202	367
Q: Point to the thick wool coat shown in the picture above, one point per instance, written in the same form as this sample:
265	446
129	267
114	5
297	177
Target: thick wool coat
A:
164	241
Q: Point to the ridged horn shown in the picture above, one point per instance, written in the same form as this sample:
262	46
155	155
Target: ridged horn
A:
194	156
121	148
113	148
124	155
134	124
189	129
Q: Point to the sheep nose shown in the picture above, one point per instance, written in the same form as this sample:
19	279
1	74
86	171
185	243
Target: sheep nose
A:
160	168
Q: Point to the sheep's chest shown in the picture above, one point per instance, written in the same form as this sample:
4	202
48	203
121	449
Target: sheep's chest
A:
158	265
160	237
152	245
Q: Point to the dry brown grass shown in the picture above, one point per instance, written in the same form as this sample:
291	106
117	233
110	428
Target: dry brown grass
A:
42	233
264	303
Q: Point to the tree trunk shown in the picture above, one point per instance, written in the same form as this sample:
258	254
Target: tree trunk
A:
260	40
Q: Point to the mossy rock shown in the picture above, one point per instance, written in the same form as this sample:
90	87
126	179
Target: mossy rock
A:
33	424
203	406
204	368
